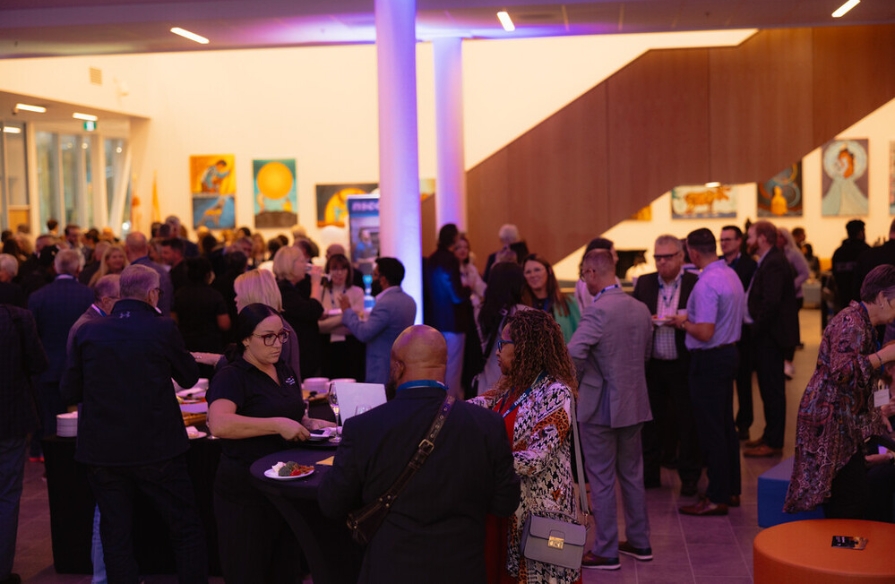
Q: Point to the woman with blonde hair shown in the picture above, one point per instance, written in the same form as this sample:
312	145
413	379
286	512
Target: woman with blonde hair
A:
535	395
301	309
114	261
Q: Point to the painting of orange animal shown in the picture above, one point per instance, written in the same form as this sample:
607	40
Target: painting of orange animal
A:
701	202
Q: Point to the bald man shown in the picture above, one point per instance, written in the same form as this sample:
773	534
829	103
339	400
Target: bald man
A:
435	531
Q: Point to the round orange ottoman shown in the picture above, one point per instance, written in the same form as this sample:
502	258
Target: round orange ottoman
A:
801	551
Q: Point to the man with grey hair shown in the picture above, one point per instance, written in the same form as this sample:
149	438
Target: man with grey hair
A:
610	349
56	307
511	242
106	294
10	292
672	433
136	247
130	431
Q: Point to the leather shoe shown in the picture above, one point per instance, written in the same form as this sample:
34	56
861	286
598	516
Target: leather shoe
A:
594	562
753	443
704	508
762	451
734	501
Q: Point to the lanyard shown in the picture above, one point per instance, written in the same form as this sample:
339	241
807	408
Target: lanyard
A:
521	398
421	383
666	301
606	289
332	296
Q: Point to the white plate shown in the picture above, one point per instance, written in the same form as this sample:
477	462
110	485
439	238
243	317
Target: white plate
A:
660	321
318	437
197	435
272	474
194	393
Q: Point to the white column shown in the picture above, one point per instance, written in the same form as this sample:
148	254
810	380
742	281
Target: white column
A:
399	175
450	188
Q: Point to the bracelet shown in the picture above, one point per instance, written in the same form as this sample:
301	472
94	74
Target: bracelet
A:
880	358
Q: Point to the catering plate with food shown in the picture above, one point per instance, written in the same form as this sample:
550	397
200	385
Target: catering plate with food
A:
660	321
288	471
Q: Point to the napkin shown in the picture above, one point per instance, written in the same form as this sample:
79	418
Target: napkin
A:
327	461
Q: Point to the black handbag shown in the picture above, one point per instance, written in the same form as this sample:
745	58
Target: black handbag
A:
555	541
364	522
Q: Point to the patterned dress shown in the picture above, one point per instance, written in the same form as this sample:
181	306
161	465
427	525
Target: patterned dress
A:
836	414
541	449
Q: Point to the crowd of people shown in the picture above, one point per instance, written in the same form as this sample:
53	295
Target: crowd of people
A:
650	376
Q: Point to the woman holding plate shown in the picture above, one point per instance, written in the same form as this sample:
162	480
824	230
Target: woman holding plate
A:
255	403
535	396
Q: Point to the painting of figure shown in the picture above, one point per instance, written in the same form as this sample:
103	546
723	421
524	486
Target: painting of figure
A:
844	178
213	188
781	196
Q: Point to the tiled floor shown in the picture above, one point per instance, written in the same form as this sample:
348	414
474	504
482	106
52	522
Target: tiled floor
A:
716	550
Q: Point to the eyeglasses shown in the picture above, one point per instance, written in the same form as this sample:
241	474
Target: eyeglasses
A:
270	338
159	290
726	239
586	272
501	343
664	256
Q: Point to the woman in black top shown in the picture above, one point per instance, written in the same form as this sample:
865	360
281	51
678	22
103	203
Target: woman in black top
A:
255	404
300	305
200	312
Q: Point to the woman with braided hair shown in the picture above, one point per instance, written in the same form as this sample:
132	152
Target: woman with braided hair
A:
535	395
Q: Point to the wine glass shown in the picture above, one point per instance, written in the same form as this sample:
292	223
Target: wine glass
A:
334	405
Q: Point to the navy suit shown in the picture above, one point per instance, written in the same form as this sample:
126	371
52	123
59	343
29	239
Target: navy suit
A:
435	531
56	307
164	283
669	395
745	268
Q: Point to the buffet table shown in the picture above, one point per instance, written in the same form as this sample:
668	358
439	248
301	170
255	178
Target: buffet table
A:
72	505
332	555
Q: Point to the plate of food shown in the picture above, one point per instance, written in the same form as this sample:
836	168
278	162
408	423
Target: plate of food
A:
321	434
660	321
288	471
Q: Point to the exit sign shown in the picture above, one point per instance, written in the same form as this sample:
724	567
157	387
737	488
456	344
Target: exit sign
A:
89	126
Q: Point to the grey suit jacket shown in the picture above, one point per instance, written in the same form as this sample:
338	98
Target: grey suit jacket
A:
394	311
610	349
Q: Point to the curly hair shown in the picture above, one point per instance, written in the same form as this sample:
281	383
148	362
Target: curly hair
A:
538	346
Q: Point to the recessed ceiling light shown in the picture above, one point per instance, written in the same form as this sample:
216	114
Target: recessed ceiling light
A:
712	185
11	130
506	21
845	8
189	35
31	108
85	117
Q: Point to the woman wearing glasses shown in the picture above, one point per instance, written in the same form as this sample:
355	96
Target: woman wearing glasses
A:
256	404
535	396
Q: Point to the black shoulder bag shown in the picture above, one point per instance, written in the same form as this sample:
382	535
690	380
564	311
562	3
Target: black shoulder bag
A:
364	522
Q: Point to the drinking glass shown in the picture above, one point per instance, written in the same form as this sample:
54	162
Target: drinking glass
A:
334	405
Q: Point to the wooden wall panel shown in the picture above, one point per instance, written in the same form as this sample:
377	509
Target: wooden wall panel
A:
672	117
854	74
760	105
658	127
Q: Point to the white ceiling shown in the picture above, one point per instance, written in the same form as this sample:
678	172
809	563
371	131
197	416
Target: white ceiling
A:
32	28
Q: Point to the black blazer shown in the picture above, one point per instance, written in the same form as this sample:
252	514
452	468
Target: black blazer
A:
772	301
435	531
56	307
21	355
120	369
647	291
745	268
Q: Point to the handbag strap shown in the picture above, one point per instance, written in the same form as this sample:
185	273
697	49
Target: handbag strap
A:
422	453
579	465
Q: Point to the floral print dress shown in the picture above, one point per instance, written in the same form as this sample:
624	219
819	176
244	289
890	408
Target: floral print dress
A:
541	450
836	414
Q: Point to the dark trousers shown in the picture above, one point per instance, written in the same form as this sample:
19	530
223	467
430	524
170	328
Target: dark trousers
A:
254	541
168	486
672	431
772	387
745	416
711	389
12	470
849	491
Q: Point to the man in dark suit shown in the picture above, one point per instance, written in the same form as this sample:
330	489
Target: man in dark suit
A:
130	431
435	530
744	266
56	307
845	262
394	311
772	312
10	292
875	256
665	292
137	249
21	356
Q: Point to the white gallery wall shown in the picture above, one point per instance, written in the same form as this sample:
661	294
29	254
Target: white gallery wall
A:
319	104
